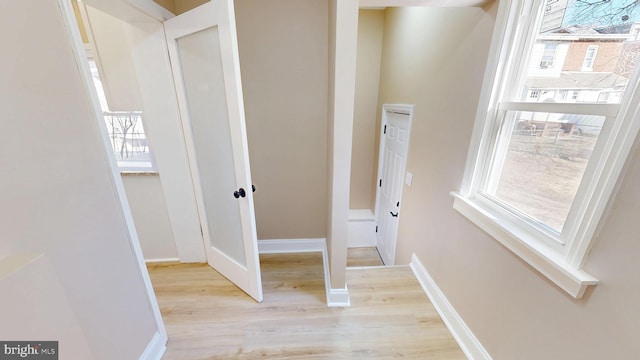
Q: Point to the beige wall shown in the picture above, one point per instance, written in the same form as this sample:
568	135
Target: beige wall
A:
283	59
364	151
117	70
515	312
343	43
60	197
149	210
34	282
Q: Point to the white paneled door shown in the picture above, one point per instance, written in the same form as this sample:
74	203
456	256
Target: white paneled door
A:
392	163
203	49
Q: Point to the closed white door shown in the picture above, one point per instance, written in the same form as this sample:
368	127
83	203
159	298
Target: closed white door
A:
204	59
392	163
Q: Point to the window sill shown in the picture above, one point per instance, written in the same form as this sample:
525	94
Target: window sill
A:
139	173
548	262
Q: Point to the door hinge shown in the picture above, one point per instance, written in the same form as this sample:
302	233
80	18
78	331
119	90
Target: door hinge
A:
380	183
376	228
385	129
201	231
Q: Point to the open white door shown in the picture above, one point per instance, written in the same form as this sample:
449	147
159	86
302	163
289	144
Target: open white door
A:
204	59
392	165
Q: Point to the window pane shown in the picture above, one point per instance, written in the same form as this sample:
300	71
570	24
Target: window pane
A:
544	162
583	48
126	132
128	140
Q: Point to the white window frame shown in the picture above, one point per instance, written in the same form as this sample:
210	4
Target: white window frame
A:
559	257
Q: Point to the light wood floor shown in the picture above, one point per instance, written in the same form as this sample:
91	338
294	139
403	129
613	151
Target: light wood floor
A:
363	256
209	318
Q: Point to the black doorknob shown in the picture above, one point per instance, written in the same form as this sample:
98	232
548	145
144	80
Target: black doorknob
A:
239	193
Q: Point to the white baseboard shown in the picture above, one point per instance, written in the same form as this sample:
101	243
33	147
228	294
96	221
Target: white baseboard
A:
468	342
151	261
335	297
338	297
361	228
156	348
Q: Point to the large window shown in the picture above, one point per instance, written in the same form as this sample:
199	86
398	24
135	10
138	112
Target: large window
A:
126	132
542	164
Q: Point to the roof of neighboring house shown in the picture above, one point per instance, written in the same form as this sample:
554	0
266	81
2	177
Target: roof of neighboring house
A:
624	28
580	30
577	80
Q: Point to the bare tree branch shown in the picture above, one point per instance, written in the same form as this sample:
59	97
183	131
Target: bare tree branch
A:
604	12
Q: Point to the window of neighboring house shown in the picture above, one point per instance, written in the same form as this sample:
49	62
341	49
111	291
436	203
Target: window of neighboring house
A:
534	94
574	95
548	55
603	97
539	174
590	58
126	132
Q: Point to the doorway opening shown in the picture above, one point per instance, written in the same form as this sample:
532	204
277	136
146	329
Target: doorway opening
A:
203	72
372	236
392	165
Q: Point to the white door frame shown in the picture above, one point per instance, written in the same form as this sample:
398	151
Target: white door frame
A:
395	108
163	124
346	29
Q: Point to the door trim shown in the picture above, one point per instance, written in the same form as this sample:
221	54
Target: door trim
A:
407	109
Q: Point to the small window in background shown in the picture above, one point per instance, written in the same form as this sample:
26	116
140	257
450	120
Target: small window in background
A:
548	55
590	58
126	132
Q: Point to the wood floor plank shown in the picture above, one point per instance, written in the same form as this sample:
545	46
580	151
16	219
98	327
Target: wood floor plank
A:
363	256
207	317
